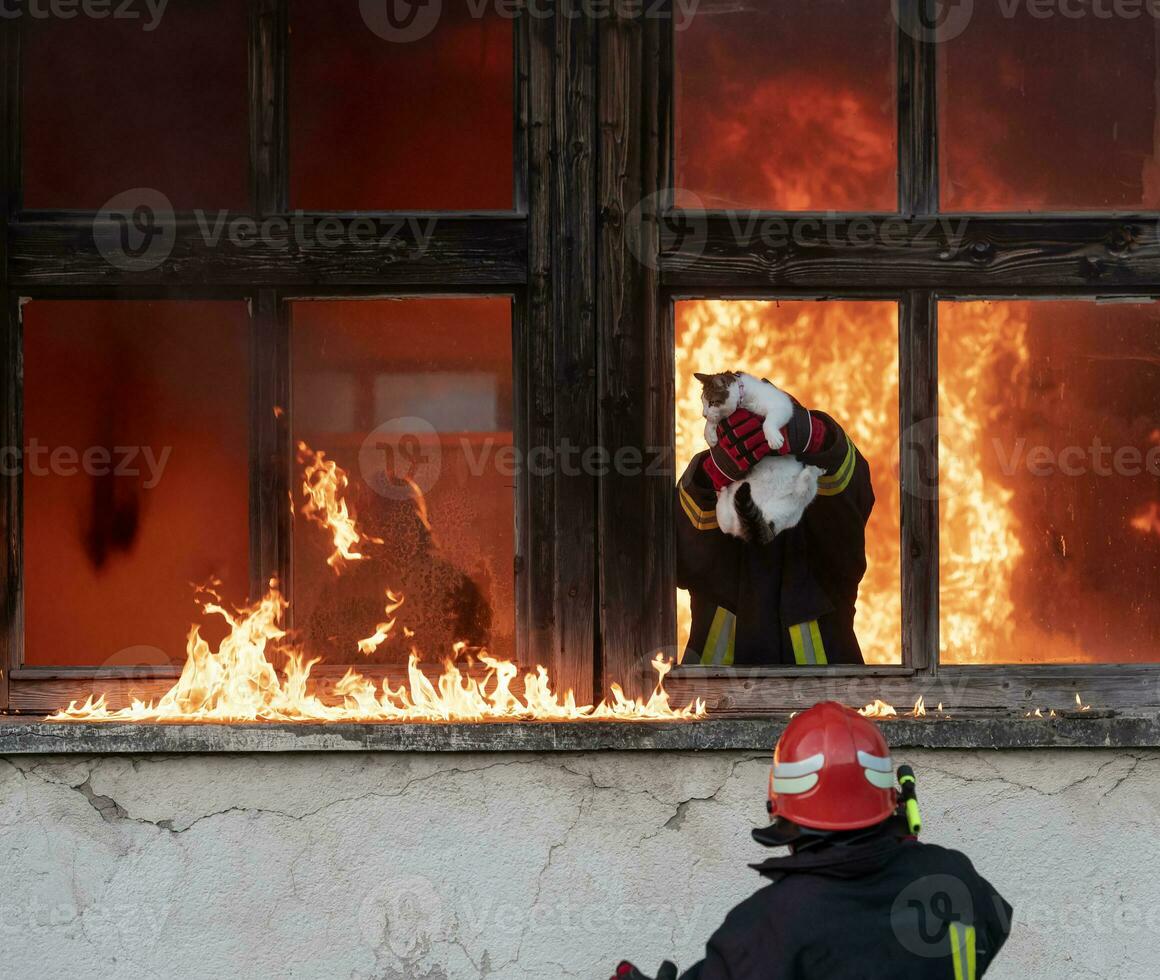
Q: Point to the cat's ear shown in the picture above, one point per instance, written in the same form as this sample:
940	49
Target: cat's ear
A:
703	378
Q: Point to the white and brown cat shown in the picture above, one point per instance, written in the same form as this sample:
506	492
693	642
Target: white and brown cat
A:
722	394
776	491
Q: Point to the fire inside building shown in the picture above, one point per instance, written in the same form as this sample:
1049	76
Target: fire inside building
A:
357	477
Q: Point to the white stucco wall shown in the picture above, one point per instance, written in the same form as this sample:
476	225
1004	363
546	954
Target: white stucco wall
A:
427	867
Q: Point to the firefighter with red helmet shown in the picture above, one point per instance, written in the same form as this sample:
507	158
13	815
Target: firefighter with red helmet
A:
857	897
791	600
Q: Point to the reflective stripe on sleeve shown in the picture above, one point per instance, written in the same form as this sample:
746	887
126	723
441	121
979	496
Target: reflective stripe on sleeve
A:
962	939
702	520
718	650
829	486
807	643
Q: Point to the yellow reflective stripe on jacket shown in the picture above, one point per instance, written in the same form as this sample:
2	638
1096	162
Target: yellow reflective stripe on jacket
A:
702	520
807	643
718	650
828	486
963	950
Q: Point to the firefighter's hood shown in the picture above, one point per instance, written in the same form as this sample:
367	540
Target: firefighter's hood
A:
839	860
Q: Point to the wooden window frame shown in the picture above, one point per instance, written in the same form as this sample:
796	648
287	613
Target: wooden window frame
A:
1036	256
593	349
540	253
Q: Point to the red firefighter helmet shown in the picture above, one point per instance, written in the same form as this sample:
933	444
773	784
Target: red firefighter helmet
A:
832	771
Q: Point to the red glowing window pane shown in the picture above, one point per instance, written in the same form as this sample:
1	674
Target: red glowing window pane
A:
413	399
787	105
116	104
1049	503
1050	113
382	125
808	348
136	475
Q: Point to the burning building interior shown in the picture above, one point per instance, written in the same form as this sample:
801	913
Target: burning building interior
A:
350	374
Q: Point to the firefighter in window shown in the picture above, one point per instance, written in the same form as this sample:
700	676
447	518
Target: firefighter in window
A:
789	600
857	897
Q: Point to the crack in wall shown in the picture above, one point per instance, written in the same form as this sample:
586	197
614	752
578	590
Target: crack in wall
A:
643	804
995	775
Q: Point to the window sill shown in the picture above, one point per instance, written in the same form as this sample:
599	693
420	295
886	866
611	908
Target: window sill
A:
965	730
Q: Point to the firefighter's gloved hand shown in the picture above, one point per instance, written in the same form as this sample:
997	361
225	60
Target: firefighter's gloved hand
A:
741	443
626	971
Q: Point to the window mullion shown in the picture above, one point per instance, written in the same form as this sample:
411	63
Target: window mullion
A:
918	476
558	588
271	456
635	348
11	393
918	191
11	498
269	147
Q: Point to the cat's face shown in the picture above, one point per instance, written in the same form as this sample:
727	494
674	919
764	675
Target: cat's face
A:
719	395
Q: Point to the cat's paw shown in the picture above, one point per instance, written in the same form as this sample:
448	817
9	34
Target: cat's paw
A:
711	434
772	434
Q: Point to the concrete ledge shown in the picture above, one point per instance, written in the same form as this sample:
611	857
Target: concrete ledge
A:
20	736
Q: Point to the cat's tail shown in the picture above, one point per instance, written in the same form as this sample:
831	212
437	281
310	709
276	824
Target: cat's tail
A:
754	527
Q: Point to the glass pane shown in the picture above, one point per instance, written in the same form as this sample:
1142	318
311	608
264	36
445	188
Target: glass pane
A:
158	101
1049	510
787	105
381	125
413	399
136	475
1050	113
811	350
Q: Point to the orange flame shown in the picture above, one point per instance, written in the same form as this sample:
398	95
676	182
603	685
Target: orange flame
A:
383	630
841	357
238	682
1148	520
324	483
878	709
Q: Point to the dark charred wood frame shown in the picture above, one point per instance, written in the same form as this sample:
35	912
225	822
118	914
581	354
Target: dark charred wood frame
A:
593	349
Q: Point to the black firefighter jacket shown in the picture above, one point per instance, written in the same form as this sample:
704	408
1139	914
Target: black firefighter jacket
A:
791	601
887	909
